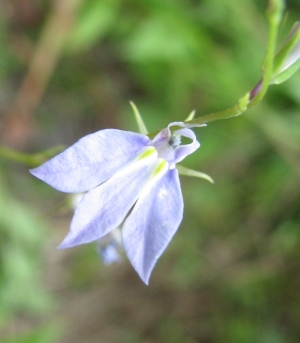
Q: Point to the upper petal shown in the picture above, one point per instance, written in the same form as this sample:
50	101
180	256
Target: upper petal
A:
104	208
152	223
91	161
184	150
185	124
174	153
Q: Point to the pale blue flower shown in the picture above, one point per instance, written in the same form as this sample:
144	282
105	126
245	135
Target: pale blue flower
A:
109	247
131	181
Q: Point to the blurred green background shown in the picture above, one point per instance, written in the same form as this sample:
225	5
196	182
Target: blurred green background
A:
232	272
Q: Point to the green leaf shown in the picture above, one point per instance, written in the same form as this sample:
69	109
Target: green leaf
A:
95	20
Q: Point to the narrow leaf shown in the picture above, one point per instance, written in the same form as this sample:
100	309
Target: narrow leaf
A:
194	173
140	123
191	115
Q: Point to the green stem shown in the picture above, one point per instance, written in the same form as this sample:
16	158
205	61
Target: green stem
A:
30	160
274	15
230	112
15	156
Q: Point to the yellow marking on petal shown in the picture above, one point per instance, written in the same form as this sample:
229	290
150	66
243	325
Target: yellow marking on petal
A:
149	151
162	164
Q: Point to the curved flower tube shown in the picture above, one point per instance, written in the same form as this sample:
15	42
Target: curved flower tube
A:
131	181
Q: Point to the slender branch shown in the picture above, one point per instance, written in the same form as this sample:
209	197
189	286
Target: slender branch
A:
17	124
30	160
252	98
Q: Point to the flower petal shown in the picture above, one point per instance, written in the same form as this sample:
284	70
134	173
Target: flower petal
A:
109	247
152	223
184	150
104	208
91	161
170	152
185	124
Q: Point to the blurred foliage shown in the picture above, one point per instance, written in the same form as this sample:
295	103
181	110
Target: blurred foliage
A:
232	272
21	238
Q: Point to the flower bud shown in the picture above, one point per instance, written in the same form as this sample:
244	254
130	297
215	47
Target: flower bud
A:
287	58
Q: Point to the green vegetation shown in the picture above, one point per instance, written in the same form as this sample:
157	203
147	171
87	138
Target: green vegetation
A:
231	274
